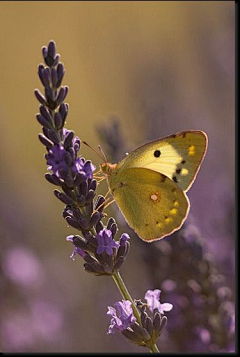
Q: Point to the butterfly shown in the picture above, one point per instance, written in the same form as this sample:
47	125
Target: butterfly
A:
149	185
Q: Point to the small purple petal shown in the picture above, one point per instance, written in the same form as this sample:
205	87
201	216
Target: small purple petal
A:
105	242
122	316
152	298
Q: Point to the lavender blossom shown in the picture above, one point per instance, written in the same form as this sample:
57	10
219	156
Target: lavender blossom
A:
152	298
151	324
73	174
122	316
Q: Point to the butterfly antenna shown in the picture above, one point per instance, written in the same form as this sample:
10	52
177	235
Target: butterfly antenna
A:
103	157
102	152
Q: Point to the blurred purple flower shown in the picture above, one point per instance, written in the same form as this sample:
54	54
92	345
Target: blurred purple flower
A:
122	316
152	298
106	243
22	267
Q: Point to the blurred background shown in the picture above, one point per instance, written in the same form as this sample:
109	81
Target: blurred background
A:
137	71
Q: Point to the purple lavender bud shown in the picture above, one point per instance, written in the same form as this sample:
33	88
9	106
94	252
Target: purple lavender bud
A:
44	51
79	178
63	197
48	143
40	97
113	229
60	73
54	137
54	77
143	318
56	180
53	179
110	222
81	200
79	242
58	121
149	325
89	168
40	73
140	332
90	196
52	49
69	193
163	324
93	185
94	219
100	201
130	335
77	144
68	139
73	222
45	132
61	169
84	224
121	252
45	113
48	177
89	268
92	241
97	267
107	269
118	263
99	226
62	95
68	159
124	238
46	77
63	110
69	181
44	122
51	95
56	60
83	189
127	245
157	322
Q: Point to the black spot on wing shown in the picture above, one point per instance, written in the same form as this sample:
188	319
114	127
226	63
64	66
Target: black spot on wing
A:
178	171
183	162
174	179
157	153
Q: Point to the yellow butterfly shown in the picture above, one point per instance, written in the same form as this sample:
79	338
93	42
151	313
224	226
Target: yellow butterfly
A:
149	184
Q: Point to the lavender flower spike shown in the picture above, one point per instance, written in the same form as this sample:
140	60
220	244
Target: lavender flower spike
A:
152	298
122	316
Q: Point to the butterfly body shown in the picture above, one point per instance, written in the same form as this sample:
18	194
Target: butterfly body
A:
149	184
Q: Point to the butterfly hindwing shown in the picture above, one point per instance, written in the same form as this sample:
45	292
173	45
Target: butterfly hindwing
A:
178	156
153	205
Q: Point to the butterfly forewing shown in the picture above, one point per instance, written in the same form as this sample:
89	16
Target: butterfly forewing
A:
153	205
178	156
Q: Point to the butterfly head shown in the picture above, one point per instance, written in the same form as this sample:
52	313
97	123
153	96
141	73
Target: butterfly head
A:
107	168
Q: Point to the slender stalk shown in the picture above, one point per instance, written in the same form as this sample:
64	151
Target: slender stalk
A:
125	294
154	349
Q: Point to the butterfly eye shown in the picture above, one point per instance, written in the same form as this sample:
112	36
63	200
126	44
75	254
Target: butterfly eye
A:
157	153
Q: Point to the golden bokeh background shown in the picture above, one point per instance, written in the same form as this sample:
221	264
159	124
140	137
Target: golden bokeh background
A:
160	67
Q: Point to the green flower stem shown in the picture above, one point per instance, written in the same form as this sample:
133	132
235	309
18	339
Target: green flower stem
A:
125	294
154	349
123	290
